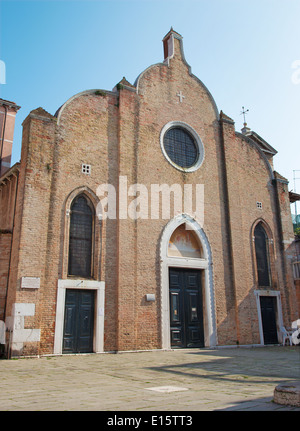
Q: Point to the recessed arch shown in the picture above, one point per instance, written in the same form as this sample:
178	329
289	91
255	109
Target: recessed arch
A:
97	230
81	237
202	263
184	243
263	254
84	190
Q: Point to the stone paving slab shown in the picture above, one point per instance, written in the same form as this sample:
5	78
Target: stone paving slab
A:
224	379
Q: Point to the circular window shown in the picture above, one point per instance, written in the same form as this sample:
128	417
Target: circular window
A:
182	146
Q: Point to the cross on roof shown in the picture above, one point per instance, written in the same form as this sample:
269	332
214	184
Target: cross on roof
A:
244	114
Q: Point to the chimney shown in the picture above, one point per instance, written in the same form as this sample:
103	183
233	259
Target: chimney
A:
8	112
169	43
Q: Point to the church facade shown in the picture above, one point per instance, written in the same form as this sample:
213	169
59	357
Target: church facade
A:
139	218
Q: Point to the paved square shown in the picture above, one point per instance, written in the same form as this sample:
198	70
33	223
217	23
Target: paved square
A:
214	379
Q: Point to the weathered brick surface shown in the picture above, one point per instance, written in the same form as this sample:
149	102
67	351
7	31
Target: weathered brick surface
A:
118	134
5	247
7	209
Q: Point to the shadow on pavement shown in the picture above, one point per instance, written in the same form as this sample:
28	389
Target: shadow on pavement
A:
257	366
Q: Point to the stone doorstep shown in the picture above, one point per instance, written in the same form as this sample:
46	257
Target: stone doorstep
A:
288	394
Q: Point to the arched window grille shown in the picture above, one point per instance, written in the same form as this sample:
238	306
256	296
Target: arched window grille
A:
262	255
81	238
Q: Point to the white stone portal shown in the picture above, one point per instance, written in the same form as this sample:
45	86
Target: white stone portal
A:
204	262
99	287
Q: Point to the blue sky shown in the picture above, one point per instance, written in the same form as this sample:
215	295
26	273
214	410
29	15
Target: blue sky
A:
246	52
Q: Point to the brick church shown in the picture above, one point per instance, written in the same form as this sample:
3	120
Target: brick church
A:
140	219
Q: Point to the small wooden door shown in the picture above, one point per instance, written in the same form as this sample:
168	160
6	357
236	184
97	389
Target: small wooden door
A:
79	321
268	306
186	308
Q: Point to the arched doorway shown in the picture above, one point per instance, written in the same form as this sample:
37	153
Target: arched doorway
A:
187	294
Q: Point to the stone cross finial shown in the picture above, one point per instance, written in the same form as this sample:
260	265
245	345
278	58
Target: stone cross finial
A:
181	96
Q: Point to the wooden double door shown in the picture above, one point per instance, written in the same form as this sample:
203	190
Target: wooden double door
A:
186	308
79	321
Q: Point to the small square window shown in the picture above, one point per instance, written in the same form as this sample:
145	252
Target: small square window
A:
259	205
86	169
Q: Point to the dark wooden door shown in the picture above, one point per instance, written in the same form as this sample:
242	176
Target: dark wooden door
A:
268	306
79	321
186	308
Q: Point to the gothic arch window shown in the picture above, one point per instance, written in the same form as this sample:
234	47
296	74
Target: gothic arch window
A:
262	255
81	237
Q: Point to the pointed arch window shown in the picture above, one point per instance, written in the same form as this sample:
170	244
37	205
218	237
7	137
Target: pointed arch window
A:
81	237
262	255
